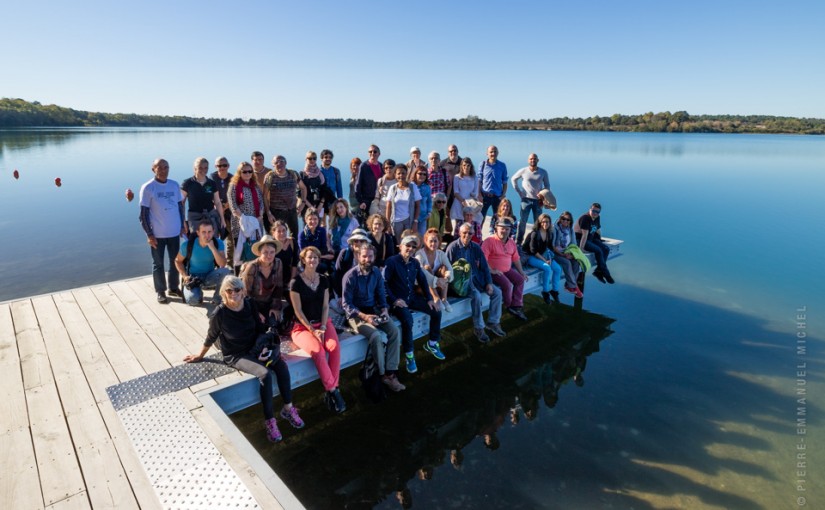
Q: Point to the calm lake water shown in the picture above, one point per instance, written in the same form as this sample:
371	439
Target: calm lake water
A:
690	399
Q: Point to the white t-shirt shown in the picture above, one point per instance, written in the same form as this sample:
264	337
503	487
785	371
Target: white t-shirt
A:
162	199
401	203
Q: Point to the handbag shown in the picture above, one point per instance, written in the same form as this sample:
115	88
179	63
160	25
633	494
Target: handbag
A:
462	278
371	379
246	252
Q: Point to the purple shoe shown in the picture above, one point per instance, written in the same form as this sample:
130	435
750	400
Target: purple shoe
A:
272	432
291	415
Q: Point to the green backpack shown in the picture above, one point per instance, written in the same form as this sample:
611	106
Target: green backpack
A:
462	277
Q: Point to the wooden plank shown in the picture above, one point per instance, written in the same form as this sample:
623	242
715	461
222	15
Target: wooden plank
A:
125	365
155	328
147	353
106	483
193	315
95	365
141	486
76	502
34	362
20	483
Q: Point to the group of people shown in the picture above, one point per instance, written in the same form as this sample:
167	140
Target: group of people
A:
371	256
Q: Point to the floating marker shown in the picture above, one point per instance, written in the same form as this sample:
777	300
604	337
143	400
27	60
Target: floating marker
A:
130	195
16	174
58	182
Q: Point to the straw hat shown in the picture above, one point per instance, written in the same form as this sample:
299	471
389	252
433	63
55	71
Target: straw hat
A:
267	239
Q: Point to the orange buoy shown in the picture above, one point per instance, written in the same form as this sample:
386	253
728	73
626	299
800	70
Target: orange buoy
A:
130	195
16	174
58	182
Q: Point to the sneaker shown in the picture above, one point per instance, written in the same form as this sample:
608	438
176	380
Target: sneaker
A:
176	293
435	350
609	278
411	366
481	335
447	306
393	383
555	295
496	330
578	293
291	415
272	432
339	406
516	312
162	297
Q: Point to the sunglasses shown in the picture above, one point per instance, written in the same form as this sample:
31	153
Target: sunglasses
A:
246	171
223	165
440	201
597	211
311	159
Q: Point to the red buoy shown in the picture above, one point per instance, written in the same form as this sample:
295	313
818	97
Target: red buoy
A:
58	182
130	195
16	174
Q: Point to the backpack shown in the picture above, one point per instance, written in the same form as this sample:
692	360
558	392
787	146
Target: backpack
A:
191	239
371	379
462	278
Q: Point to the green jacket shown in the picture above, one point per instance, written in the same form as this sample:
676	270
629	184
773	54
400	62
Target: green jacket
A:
574	250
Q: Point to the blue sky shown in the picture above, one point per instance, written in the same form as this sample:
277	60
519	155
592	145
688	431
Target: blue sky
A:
425	59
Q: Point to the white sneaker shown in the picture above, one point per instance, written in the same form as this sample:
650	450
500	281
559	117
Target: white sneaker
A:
447	306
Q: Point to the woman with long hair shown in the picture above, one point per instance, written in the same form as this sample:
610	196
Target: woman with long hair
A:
563	237
341	225
315	235
246	201
465	187
538	245
381	238
288	251
403	203
505	210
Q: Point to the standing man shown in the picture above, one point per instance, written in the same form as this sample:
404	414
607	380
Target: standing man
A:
368	175
332	175
505	267
202	263
161	216
365	304
221	177
402	272
589	234
259	171
481	281
493	174
281	188
534	180
452	166
201	192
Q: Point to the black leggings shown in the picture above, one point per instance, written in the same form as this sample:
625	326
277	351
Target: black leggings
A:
253	366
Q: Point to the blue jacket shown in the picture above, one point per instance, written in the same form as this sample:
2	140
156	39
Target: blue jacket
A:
401	278
477	260
363	292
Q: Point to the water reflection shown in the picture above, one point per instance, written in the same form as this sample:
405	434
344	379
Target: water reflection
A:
372	453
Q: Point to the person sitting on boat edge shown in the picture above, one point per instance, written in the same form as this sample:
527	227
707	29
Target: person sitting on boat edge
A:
563	237
505	267
589	237
436	268
365	304
201	263
538	247
481	281
313	331
240	327
402	273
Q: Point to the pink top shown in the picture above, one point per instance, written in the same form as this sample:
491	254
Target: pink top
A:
500	255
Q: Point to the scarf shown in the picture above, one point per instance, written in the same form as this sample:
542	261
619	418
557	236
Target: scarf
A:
252	185
313	170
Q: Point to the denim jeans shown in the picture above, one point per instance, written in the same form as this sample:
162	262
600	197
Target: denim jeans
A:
600	252
552	271
493	313
527	205
570	268
211	280
405	317
172	246
487	200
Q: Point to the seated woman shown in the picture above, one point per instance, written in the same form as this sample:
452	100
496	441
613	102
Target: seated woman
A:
437	267
314	235
470	216
563	236
341	224
264	281
440	218
240	329
538	246
314	332
505	210
381	238
287	253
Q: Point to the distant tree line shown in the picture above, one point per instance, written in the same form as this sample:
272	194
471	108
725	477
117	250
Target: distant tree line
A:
21	113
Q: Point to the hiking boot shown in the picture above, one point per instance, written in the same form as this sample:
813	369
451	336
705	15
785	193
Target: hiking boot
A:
555	295
411	366
162	297
435	350
393	383
481	335
496	330
516	312
291	415
272	432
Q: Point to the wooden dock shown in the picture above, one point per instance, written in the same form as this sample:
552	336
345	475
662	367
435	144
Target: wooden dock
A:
63	443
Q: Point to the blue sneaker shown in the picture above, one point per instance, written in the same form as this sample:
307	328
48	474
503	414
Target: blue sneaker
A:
435	350
411	366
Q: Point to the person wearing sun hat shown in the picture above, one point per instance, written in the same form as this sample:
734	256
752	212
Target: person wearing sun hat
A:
263	279
402	273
